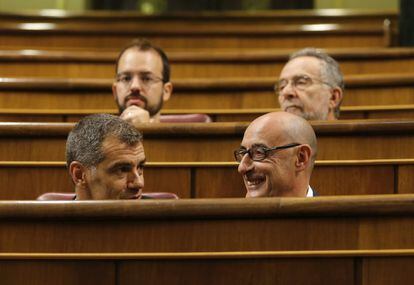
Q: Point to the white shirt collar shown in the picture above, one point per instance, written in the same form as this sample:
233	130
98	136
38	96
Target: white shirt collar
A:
310	192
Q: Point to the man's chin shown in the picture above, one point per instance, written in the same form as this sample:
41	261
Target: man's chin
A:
296	111
256	192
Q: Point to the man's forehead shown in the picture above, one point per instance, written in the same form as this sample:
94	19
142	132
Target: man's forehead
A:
260	135
134	55
303	65
113	144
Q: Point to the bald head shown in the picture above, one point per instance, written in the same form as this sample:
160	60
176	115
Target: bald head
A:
277	155
283	127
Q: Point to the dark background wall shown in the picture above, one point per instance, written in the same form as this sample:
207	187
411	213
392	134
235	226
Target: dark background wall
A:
406	23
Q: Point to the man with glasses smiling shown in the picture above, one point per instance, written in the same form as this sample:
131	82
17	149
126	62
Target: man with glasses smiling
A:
311	85
142	82
277	155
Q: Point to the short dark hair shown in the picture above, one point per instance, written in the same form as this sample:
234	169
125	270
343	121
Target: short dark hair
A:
145	45
84	143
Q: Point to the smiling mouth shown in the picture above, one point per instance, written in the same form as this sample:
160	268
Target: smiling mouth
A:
254	181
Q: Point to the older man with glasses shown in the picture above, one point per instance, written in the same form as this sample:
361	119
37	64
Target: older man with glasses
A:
277	155
311	85
142	83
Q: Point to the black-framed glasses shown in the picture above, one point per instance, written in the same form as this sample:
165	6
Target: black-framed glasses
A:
299	82
259	152
146	80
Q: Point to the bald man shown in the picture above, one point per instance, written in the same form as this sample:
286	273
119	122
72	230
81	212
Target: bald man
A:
277	155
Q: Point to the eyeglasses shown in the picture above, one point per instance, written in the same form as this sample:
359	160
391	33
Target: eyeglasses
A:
146	80
259	152
300	82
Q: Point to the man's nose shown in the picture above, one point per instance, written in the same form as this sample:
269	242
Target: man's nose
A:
136	180
135	83
245	165
289	91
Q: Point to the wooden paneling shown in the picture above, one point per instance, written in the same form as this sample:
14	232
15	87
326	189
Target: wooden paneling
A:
217	115
192	64
342	240
97	37
196	94
57	272
215	180
372	222
356	139
370	267
134	19
387	270
406	179
243	271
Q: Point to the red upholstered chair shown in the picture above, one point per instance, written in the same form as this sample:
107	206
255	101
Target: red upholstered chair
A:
187	118
55	196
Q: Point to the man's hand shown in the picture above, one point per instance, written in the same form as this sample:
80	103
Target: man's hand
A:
135	115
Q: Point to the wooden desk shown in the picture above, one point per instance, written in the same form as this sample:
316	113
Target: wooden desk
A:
59	36
196	94
320	240
217	115
370	267
327	223
204	19
216	180
347	139
197	64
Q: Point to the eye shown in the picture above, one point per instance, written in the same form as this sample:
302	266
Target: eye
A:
141	169
302	81
146	78
125	78
124	169
281	85
259	152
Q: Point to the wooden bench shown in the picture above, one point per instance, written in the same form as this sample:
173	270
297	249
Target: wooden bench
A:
377	267
216	180
94	37
215	142
193	64
193	94
217	115
339	240
204	19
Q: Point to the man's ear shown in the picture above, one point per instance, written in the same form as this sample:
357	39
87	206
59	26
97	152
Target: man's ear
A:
78	173
303	156
336	98
167	90
114	92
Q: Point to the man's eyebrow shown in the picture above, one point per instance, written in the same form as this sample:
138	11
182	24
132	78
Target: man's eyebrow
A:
259	144
119	164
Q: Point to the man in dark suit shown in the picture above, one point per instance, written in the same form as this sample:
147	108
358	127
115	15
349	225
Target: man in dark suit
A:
277	156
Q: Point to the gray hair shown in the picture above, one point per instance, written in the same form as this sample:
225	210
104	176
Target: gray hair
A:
84	143
330	70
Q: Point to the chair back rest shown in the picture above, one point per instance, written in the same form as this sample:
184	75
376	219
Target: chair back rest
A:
186	118
55	196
